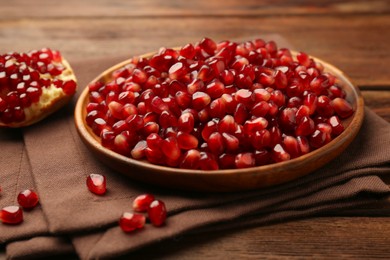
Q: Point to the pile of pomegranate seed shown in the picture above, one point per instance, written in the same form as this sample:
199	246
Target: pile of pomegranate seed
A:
156	210
13	215
216	106
31	84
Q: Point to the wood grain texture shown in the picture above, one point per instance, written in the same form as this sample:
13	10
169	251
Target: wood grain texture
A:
316	238
147	8
350	48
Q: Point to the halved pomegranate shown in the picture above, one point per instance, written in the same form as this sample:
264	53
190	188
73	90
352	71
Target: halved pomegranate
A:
33	85
213	106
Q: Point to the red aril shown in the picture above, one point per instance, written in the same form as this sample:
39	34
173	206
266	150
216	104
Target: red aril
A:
33	85
28	199
157	213
11	215
142	202
131	221
96	184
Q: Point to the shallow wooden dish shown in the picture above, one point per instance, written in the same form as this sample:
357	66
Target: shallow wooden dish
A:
223	180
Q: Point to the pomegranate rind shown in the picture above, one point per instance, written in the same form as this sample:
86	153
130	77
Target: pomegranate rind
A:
51	99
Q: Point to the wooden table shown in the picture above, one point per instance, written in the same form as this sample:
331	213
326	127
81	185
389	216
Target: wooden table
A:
354	35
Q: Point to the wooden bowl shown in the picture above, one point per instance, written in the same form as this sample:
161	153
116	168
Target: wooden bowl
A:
224	180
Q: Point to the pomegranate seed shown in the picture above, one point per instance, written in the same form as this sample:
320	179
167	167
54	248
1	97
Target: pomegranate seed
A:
28	199
215	143
170	148
261	139
241	114
188	51
69	87
131	221
96	184
190	159
291	146
337	126
208	45
200	100
186	122
305	127
157	213
138	152
231	143
324	107
208	162
262	157
11	215
342	107
245	160
142	202
279	154
177	71
317	139
186	141
303	143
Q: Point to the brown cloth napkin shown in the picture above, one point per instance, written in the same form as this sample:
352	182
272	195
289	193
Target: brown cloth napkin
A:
51	158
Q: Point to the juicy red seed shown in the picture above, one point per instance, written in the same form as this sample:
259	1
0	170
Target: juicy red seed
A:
142	202
317	139
154	141
96	184
138	152
69	87
324	107
257	124
98	125
11	215
170	148
261	139
186	141
279	154
3	105
231	143
244	96
291	146
188	51
28	199
190	159
337	126
200	100
245	160
208	162
186	122
215	89
262	157
157	213
241	114
208	45
305	127
215	143
129	222
342	107
177	71
209	128
260	109
227	124
227	77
